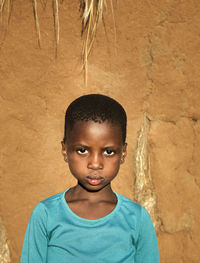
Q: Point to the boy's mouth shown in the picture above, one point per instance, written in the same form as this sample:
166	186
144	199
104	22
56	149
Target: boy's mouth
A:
94	179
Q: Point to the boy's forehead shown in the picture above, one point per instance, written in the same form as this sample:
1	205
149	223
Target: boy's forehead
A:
90	123
87	128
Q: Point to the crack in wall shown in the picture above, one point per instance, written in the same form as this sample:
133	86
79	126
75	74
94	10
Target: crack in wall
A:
189	170
148	60
144	192
151	61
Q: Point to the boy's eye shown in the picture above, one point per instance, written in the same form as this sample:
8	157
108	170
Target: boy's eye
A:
82	151
109	152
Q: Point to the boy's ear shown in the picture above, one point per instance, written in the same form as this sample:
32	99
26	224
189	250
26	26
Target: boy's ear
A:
64	151
124	153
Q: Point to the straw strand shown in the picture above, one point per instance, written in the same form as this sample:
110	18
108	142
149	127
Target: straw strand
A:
92	12
37	25
56	22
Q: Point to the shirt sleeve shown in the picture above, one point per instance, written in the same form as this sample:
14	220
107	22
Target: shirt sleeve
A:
36	238
147	247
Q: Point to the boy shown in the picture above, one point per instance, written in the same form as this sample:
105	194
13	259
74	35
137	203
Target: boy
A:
89	222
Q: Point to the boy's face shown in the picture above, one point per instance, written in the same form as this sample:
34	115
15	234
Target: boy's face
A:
94	152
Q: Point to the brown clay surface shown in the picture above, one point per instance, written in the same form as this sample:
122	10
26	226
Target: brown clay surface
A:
152	67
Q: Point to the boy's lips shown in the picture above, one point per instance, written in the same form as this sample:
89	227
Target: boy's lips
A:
94	179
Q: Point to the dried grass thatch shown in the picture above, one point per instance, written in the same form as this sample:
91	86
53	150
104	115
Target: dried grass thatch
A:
3	4
37	25
92	12
6	8
5	14
55	9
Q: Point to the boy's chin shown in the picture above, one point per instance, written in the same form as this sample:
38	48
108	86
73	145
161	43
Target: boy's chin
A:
92	188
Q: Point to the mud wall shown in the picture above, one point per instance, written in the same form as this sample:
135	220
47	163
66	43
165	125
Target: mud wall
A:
152	69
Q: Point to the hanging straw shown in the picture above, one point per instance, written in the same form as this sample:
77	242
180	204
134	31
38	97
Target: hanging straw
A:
92	13
56	23
56	20
3	4
37	25
5	14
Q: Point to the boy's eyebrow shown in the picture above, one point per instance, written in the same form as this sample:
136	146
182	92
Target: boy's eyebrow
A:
109	146
88	147
81	145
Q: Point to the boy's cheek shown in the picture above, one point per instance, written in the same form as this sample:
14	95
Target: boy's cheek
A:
113	161
75	159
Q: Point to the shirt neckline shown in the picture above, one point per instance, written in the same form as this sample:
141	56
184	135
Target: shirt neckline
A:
91	222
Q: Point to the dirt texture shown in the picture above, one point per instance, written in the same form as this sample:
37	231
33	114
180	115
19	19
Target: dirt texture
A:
152	68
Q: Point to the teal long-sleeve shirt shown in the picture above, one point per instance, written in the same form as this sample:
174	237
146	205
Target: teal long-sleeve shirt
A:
57	235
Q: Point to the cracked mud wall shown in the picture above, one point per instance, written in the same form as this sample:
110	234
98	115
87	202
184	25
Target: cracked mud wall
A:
4	246
144	190
152	69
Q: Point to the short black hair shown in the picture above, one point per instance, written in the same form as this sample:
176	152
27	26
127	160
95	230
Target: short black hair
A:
98	108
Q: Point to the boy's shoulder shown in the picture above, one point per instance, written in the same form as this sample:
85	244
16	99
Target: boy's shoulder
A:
50	202
133	211
130	205
53	199
127	200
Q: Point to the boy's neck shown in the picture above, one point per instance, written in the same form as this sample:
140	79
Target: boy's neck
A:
79	192
91	205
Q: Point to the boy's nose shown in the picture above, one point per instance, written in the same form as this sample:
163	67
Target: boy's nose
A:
95	161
